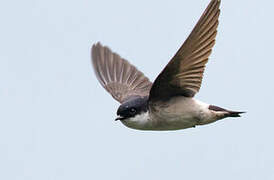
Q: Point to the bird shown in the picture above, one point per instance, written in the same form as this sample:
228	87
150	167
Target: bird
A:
168	103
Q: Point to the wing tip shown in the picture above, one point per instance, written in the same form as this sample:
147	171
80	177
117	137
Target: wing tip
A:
214	4
98	43
95	46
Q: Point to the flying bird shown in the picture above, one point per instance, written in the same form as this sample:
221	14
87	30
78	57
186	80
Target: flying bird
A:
168	103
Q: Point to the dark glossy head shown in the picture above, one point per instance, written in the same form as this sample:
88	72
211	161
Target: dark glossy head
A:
132	107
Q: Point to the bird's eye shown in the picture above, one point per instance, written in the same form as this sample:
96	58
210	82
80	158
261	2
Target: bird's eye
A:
132	110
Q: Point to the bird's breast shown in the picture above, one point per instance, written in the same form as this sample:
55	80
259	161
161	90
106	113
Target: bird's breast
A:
140	121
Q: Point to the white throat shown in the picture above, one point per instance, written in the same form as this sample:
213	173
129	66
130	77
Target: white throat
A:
140	121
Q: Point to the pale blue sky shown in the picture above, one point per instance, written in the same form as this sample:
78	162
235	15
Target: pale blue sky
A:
57	122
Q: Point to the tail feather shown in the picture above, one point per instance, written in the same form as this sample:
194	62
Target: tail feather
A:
234	114
228	114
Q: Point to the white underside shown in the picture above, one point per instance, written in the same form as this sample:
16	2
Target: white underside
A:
178	113
140	121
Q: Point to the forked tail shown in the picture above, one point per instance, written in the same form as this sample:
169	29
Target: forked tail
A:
228	114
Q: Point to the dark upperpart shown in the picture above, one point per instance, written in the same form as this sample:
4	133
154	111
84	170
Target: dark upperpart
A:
132	107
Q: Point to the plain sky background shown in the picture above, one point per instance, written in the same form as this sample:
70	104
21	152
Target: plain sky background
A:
57	122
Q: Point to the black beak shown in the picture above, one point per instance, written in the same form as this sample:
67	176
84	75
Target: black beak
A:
120	118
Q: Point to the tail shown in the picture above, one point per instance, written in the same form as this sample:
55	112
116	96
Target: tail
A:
227	113
234	113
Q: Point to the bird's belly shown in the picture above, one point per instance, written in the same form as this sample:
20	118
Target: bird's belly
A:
178	113
162	122
175	123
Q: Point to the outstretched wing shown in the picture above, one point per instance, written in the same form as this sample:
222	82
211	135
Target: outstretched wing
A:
121	79
183	74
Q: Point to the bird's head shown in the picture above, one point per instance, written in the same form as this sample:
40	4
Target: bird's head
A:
132	107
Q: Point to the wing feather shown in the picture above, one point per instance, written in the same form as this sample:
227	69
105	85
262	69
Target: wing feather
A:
121	79
184	73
